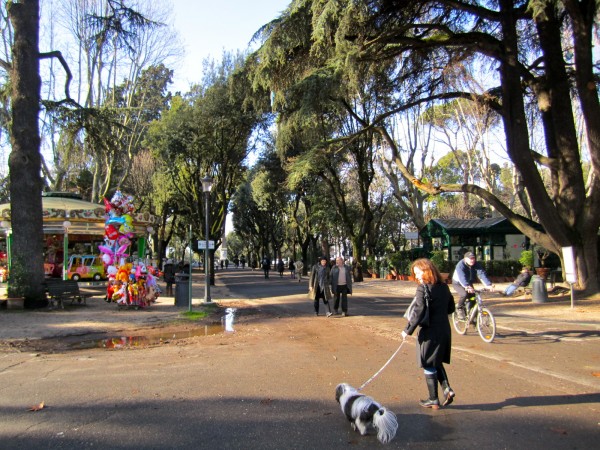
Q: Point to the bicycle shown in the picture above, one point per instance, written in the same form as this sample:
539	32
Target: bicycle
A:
476	313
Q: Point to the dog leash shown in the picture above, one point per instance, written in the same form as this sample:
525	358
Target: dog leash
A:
384	366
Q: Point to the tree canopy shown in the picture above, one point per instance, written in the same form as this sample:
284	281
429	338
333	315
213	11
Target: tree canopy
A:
531	63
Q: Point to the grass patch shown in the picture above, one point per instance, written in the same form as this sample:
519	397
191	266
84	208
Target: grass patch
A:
194	315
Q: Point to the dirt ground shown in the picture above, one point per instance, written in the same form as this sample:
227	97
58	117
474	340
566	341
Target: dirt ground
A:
100	322
62	329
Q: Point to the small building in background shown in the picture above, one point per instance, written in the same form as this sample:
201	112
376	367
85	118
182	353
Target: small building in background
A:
489	238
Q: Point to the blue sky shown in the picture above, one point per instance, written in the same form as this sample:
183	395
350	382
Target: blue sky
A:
207	28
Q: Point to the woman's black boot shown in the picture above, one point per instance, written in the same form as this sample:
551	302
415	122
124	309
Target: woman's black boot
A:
432	387
446	389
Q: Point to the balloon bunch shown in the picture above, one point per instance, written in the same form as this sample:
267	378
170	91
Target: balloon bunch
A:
128	285
118	229
132	287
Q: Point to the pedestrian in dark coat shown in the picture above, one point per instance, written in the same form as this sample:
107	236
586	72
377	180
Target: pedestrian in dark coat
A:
319	285
434	341
266	266
169	276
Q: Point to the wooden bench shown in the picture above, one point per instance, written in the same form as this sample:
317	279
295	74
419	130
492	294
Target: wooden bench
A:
61	290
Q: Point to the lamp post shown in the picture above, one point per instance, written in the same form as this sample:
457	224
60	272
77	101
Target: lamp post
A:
207	183
190	272
66	226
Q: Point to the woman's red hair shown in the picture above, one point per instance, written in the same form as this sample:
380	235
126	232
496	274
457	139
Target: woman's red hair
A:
431	274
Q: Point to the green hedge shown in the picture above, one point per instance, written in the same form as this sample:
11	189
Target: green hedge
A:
504	268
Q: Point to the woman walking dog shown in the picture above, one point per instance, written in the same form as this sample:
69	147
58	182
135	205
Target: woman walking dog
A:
434	342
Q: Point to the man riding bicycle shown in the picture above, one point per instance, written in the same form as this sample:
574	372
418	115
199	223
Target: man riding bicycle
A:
465	274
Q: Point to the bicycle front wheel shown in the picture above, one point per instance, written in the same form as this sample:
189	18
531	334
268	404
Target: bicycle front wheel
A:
460	325
486	325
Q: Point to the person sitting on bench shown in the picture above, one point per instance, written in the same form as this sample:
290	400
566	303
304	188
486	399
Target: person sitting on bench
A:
522	279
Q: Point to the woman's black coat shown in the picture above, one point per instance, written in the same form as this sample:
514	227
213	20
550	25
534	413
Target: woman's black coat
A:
435	341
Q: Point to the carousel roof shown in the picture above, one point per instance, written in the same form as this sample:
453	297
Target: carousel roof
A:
60	206
53	203
69	203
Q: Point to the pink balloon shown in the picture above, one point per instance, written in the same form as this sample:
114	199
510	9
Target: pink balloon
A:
121	251
105	249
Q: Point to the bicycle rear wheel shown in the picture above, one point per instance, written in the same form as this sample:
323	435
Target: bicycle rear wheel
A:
460	325
486	325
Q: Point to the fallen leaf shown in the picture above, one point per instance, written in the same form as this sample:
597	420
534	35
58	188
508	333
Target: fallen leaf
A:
37	407
596	374
266	401
558	430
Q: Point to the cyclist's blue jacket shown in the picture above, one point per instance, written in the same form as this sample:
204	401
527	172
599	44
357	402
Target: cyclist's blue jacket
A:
466	275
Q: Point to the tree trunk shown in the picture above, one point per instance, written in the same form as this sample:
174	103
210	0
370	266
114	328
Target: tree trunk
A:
25	160
357	253
304	248
586	259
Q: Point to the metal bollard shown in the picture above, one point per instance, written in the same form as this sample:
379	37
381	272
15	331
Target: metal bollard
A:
539	294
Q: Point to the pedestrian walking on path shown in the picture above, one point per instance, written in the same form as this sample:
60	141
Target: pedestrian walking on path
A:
299	268
319	285
433	304
341	285
169	277
266	266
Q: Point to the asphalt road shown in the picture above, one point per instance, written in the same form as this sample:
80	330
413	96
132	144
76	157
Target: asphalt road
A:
563	350
270	384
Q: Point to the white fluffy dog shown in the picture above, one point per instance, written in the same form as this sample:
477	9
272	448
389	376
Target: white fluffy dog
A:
362	411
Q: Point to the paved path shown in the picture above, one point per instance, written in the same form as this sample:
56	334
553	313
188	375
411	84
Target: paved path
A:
523	326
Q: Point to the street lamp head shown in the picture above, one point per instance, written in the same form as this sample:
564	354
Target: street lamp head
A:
207	183
5	224
66	224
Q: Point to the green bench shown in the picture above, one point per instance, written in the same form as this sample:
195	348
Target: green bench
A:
61	290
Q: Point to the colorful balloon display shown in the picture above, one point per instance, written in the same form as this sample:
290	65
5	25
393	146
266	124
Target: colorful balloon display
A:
127	286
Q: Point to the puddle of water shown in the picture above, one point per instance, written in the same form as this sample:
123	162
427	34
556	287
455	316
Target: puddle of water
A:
226	326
